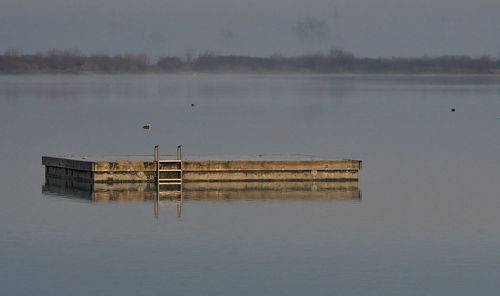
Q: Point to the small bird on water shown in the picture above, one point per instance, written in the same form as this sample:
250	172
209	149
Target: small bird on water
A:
147	126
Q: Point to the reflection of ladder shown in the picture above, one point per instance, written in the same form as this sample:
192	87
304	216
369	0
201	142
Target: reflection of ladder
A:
168	179
169	172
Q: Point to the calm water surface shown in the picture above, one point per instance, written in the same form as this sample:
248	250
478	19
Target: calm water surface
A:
428	222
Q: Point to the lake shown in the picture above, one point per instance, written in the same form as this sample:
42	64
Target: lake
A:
427	223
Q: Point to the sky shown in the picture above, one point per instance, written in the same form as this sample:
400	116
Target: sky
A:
367	28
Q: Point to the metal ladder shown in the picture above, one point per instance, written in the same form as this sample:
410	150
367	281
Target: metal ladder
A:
171	169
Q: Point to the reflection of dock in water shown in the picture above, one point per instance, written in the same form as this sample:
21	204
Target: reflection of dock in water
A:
305	190
204	191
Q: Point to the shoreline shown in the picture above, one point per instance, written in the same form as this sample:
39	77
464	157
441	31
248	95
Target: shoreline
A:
68	63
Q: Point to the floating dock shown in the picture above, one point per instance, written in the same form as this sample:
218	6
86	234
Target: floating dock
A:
148	169
166	179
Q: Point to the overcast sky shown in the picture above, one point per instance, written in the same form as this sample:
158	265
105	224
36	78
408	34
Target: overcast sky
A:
253	27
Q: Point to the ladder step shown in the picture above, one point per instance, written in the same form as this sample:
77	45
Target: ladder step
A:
172	179
170	183
170	160
175	170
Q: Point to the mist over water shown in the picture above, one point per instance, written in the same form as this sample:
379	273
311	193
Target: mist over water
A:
427	222
377	28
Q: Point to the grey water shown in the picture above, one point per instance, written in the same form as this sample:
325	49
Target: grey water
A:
428	222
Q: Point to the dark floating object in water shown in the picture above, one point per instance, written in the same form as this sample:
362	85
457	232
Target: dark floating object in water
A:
452	109
147	126
192	105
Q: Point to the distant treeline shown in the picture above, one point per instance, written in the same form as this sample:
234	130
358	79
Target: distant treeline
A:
336	61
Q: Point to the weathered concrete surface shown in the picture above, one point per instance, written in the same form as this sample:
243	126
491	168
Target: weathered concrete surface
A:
271	170
124	166
103	171
318	165
285	175
124	176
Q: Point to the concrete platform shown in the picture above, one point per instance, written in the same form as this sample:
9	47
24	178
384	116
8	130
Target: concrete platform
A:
142	168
